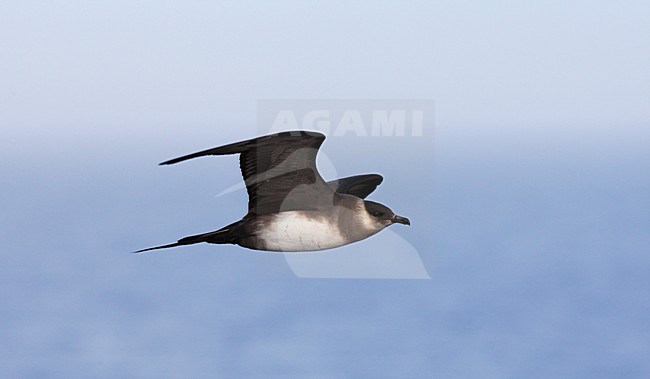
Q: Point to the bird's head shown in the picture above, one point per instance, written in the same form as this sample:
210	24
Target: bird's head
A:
382	216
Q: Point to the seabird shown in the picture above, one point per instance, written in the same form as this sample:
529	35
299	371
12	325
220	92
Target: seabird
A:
290	207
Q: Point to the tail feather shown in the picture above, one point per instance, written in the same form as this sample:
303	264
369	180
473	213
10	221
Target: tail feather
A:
220	236
158	247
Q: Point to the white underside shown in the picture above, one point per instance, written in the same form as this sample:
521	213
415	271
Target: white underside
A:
295	231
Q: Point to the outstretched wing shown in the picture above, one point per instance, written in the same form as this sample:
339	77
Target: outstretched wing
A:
279	171
360	185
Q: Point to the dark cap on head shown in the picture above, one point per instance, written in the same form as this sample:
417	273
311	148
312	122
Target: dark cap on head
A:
383	214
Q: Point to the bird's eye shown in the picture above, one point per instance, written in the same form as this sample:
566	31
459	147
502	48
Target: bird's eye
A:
378	213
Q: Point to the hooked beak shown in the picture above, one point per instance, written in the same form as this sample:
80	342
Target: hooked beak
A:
400	220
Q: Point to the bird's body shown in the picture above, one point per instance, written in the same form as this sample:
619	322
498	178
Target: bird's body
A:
293	231
299	231
291	208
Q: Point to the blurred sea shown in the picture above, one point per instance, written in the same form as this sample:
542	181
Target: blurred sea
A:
537	252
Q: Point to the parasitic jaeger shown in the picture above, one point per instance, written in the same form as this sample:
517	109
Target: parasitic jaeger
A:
290	206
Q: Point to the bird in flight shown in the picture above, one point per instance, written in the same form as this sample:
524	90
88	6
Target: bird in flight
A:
291	208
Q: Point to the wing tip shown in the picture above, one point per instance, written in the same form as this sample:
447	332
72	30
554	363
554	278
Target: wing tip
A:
240	147
181	159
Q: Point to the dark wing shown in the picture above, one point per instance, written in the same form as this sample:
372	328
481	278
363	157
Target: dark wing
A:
360	185
279	171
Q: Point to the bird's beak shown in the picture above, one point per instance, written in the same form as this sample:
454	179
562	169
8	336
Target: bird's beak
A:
400	220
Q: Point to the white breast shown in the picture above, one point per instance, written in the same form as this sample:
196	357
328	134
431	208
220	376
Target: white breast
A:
300	231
